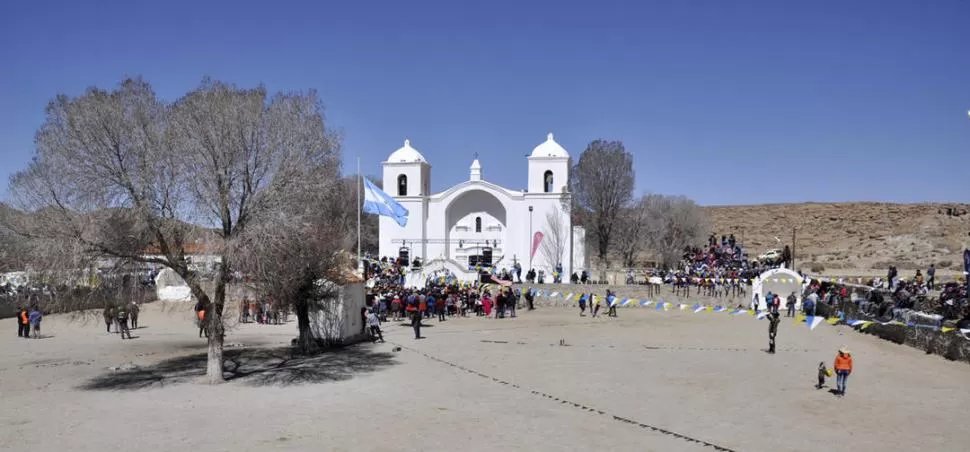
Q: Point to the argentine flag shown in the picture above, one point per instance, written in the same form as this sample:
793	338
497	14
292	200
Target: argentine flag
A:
378	202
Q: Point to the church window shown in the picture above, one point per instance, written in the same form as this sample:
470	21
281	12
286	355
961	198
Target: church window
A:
478	224
547	182
402	185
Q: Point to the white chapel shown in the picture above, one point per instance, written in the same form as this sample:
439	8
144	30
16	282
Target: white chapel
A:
479	224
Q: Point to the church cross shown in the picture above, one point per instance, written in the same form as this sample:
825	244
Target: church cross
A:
476	156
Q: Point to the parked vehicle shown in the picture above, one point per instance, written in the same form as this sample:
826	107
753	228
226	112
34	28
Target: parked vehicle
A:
771	256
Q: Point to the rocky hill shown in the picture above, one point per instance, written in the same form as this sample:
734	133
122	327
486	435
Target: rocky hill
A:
853	238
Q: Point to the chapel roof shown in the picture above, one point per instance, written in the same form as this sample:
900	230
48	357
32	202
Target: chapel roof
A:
406	154
549	148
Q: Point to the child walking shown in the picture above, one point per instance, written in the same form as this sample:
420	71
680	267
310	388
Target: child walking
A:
822	373
375	326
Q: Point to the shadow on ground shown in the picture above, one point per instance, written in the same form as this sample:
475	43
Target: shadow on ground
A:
252	366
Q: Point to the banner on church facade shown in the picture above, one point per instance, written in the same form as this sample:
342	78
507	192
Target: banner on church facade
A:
536	240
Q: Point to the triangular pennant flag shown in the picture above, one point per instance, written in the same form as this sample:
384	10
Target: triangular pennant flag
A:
813	321
947	329
866	325
710	308
660	305
645	303
698	308
569	297
739	311
762	315
856	322
554	294
683	306
833	320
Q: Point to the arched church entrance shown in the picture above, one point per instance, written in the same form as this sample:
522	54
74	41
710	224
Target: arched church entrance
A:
475	228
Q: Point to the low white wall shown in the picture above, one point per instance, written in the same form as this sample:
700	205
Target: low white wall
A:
337	320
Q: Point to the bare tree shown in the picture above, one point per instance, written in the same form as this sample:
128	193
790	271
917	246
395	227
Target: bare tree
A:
13	251
555	237
120	172
630	232
672	223
290	251
602	184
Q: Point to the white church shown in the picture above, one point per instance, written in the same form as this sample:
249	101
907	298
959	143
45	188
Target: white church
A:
478	224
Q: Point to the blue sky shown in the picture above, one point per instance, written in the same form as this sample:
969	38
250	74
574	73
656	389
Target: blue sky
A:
728	102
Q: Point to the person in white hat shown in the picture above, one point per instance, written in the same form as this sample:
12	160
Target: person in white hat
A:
843	367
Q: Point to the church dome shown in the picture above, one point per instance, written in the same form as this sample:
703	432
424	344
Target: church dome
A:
406	154
549	149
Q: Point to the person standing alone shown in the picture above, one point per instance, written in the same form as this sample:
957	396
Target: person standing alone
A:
931	277
843	367
122	314
773	320
790	304
416	323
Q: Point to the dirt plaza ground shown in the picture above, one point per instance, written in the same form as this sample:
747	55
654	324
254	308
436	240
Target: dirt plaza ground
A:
647	380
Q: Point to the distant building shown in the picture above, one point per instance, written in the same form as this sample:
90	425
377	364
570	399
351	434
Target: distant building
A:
478	223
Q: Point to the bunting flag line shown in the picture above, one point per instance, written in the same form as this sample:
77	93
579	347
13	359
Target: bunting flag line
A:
810	321
813	321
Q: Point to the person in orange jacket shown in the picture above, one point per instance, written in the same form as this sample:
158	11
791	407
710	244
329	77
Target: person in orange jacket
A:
23	323
843	367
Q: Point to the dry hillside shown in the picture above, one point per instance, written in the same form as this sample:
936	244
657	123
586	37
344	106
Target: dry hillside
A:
860	237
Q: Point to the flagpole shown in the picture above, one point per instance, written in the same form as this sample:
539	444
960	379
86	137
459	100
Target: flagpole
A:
359	183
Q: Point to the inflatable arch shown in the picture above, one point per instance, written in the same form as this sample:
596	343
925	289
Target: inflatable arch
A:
778	281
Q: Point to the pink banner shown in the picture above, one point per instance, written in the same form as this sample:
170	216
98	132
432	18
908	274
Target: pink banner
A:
536	240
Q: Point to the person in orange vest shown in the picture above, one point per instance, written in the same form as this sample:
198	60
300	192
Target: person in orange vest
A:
23	323
843	367
200	313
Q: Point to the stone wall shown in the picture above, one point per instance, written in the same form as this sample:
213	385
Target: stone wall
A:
952	346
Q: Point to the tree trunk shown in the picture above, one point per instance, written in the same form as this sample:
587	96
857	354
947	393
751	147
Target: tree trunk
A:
216	329
306	343
213	370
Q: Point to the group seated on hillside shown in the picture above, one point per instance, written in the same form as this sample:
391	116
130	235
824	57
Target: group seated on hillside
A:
914	295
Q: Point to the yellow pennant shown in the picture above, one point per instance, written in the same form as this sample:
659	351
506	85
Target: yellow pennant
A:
947	329
865	325
709	309
832	321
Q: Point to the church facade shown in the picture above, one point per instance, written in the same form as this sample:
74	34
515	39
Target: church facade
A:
479	224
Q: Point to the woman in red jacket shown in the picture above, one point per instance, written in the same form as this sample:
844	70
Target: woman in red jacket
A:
843	367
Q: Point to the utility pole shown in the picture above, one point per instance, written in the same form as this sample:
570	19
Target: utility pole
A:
530	238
